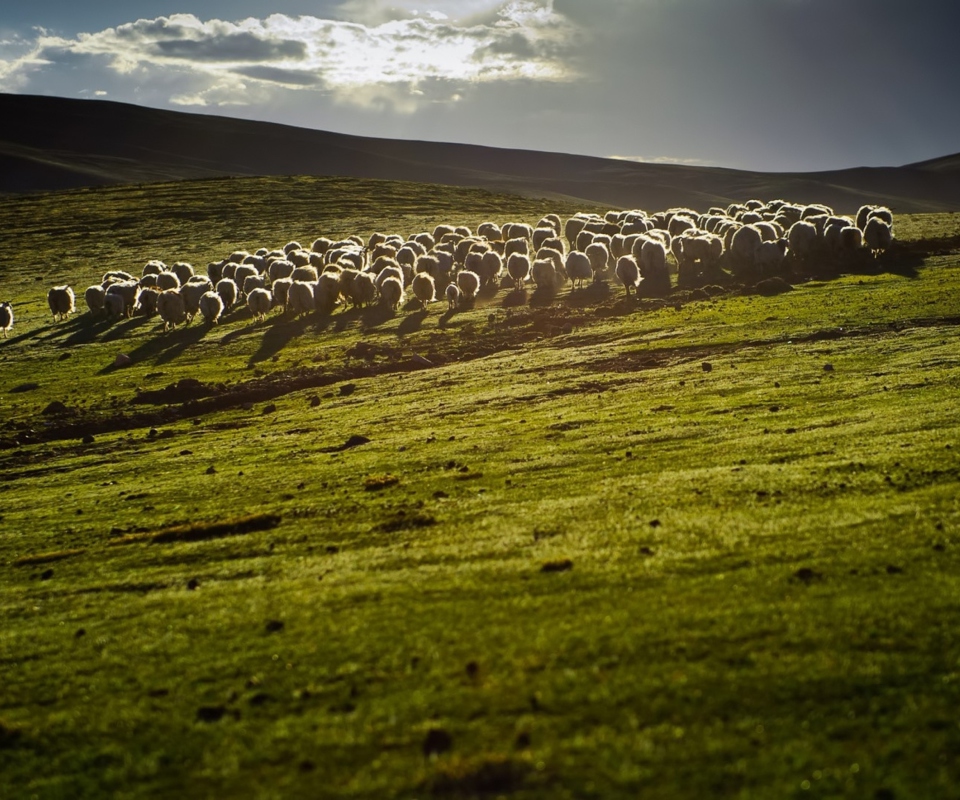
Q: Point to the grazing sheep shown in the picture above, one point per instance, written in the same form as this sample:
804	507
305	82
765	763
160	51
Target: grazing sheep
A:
653	266
113	306
628	273
154	267
364	289
517	230
183	271
128	292
259	302
578	268
191	292
320	245
327	293
877	235
281	268
148	281
6	318
289	247
599	257
743	249
851	239
769	257
147	302
60	299
540	235
390	272
469	284
516	245
544	275
245	271
94	298
281	293
490	231
211	307
453	295
228	291
391	292
214	271
572	229
518	268
802	239
115	276
424	288
252	282
171	309
167	280
300	298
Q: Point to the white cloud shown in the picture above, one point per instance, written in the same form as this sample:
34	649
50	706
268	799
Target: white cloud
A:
661	160
403	61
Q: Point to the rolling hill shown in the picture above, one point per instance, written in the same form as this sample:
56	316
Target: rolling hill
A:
55	143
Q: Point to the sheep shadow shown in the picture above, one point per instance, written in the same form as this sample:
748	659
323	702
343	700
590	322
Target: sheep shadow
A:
587	296
165	347
515	299
280	333
446	317
412	322
543	296
375	316
119	330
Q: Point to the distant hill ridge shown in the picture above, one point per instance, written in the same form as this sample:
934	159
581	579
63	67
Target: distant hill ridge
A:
49	143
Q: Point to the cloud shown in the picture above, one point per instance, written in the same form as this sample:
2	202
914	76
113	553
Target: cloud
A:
662	160
390	62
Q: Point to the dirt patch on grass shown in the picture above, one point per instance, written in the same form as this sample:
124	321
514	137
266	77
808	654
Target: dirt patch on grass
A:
488	776
406	520
199	532
48	558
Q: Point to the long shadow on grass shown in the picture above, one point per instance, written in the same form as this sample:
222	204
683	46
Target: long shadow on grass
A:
165	347
121	329
412	322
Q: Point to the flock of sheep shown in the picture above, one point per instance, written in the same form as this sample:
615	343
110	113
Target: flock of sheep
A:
743	242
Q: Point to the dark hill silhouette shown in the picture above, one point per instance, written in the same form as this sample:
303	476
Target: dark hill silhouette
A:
49	143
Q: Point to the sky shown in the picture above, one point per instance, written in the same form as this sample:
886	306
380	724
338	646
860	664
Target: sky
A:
770	85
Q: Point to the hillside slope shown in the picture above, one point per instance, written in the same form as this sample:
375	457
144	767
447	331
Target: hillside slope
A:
55	143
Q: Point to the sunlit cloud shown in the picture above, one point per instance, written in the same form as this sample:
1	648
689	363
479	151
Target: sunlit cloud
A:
404	61
661	160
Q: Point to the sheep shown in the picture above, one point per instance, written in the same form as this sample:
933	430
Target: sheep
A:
94	298
191	292
228	291
469	284
517	230
490	231
327	293
281	268
128	292
171	309
289	247
364	289
544	274
167	280
424	289
802	239
154	267
147	301
743	248
453	295
259	302
599	255
769	257
442	230
851	239
652	262
390	272
115	276
391	292
320	245
540	235
408	255
237	256
281	292
578	267
148	281
628	273
300	299
877	235
516	245
61	302
211	307
183	271
6	318
245	271
252	282
214	271
518	268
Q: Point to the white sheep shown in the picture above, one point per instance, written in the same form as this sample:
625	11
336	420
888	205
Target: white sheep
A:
469	283
424	288
280	268
61	302
251	282
148	281
599	257
171	309
211	307
653	265
191	292
6	318
578	267
147	301
245	271
628	273
390	272
743	248
364	289
490	231
154	267
877	235
259	302
391	292
300	298
167	280
516	245
128	292
281	293
544	275
518	268
452	294
802	239
327	292
228	291
183	271
94	298
769	257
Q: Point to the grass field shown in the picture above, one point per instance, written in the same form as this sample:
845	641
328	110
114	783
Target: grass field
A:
708	549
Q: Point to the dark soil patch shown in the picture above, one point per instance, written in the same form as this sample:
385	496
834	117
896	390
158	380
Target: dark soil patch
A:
199	532
493	776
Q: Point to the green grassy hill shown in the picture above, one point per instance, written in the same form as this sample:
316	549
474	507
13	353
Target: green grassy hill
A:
700	548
